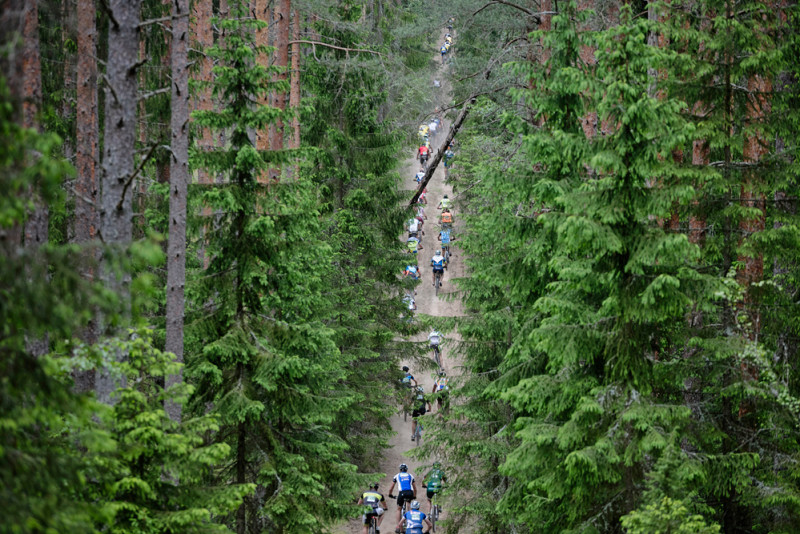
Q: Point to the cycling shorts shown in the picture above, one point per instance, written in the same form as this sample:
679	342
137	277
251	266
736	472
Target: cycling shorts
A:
438	269
376	512
418	411
404	496
431	492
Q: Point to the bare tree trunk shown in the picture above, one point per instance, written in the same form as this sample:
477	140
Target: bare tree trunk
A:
282	16
202	31
86	155
35	229
178	185
262	11
294	87
119	140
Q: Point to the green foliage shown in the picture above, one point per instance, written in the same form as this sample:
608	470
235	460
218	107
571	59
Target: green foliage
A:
667	517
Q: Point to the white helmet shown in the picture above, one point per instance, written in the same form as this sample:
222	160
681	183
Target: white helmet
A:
438	252
415	505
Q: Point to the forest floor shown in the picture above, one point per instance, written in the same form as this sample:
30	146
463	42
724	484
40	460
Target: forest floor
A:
428	303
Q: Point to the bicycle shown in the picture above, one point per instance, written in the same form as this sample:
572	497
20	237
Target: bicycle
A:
438	281
437	355
446	254
373	525
436	510
418	433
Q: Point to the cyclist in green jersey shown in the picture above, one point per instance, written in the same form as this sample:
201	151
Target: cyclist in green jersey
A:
434	482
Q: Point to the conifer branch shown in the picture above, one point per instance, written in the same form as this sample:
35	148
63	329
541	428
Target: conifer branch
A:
318	43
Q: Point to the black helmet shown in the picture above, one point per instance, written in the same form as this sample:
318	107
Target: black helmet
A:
374	486
403	468
405	368
442	372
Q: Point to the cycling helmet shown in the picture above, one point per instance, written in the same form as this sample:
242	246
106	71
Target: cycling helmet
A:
436	465
403	468
420	389
445	196
374	486
442	373
405	368
415	505
438	252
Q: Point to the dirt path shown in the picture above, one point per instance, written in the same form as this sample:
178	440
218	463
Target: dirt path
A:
427	304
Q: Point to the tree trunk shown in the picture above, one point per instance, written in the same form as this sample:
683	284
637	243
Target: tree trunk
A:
86	155
178	184
294	87
241	464
282	16
119	140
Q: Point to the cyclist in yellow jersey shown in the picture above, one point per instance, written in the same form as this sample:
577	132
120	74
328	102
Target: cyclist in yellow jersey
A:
375	505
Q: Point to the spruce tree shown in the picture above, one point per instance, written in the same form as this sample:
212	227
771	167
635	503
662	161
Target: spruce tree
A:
257	347
591	418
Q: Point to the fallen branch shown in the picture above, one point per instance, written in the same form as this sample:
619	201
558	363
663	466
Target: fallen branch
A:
318	43
133	175
440	153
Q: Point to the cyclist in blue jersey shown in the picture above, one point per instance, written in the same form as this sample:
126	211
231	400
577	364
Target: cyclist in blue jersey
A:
415	520
407	489
445	238
438	263
411	271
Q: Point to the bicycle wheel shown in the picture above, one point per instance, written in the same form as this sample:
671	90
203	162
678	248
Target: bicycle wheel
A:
437	357
438	282
418	434
373	525
434	515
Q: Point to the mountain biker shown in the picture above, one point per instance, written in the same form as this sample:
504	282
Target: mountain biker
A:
433	126
434	478
410	302
445	203
437	262
434	338
414	520
419	176
415	228
423	132
441	390
448	156
446	219
421	214
443	51
423	155
408	380
444	237
419	405
411	271
450	23
448	38
375	504
407	489
423	197
413	245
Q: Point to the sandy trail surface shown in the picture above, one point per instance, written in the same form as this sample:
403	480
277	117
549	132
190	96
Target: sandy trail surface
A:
446	304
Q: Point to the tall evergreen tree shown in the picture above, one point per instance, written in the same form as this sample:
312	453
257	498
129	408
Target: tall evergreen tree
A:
259	352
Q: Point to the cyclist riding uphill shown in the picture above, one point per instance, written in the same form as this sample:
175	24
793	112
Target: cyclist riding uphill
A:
407	489
433	482
446	219
437	262
444	204
408	380
374	504
440	390
434	338
415	520
411	272
420	403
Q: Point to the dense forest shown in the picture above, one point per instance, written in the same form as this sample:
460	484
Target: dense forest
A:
204	275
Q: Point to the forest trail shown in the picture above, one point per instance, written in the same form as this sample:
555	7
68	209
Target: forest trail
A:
428	304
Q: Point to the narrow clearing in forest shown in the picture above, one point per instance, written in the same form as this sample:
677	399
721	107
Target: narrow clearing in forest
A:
427	304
